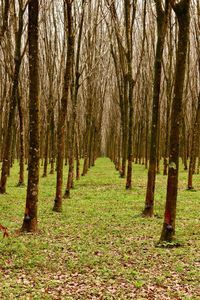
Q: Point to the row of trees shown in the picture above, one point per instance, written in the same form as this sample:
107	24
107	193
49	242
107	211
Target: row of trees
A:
170	94
119	78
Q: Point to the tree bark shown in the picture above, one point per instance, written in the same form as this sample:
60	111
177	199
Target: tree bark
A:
46	151
5	18
128	23
30	216
75	89
193	153
13	104
182	13
162	17
21	140
52	143
63	110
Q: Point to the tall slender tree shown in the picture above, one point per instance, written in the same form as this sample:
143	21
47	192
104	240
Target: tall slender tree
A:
194	143
64	106
4	26
182	11
129	20
30	216
13	100
162	17
75	88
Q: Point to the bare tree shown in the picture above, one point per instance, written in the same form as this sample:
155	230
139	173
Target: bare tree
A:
64	106
181	10
162	18
30	216
14	97
75	89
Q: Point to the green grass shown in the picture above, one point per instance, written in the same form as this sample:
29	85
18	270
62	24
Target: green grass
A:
100	247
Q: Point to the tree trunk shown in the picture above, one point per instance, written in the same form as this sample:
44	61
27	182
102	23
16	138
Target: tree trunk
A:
75	87
124	130
193	153
52	143
130	134
77	156
162	17
63	110
182	13
13	104
169	84
71	157
21	140
87	143
4	26
30	216
46	151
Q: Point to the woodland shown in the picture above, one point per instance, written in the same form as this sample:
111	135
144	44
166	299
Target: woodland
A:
99	149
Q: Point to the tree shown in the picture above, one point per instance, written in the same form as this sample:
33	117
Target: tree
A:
181	10
129	17
14	98
64	107
30	216
195	136
162	17
4	26
194	142
74	96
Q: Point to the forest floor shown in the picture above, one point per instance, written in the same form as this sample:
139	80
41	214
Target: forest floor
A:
100	247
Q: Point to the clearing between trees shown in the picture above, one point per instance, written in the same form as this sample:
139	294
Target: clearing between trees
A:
100	247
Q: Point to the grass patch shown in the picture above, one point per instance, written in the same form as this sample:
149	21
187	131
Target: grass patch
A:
100	247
